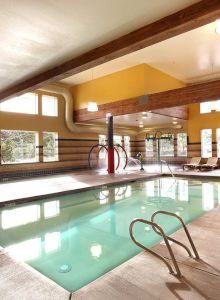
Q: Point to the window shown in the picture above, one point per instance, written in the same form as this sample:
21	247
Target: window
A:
102	139
167	145
117	139
149	146
50	149
181	144
206	142
26	104
218	141
207	107
49	106
127	145
19	146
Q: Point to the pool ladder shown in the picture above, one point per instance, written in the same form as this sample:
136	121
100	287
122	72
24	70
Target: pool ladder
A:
166	163
158	229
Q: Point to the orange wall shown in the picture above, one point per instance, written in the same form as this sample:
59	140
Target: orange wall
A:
198	121
136	81
17	121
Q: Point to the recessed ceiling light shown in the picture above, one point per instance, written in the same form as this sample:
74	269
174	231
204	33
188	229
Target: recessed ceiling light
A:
141	125
144	117
217	28
144	113
175	122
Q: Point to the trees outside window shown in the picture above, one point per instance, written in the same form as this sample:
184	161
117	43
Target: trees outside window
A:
181	144
19	146
50	148
167	145
149	146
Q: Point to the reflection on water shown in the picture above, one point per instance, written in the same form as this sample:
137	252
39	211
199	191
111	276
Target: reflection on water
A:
207	196
52	241
51	209
76	238
20	216
26	250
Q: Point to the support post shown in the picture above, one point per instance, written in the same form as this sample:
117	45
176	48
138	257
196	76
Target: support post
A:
111	161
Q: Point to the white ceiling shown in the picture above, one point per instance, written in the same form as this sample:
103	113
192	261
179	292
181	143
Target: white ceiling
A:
191	57
38	35
133	120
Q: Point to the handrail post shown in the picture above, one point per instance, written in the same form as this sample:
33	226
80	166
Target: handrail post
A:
185	229
178	273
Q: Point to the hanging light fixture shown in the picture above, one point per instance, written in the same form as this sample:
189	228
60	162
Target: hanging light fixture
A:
92	105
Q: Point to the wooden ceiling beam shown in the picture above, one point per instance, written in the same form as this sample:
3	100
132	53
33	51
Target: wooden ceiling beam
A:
157	103
194	16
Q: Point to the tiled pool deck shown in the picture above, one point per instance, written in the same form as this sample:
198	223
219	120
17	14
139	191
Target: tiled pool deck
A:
142	277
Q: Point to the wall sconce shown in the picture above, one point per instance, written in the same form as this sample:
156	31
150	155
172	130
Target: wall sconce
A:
92	106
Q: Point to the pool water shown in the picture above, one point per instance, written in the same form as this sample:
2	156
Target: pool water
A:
74	239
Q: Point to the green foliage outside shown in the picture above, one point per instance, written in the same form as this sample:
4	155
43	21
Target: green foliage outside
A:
18	146
49	146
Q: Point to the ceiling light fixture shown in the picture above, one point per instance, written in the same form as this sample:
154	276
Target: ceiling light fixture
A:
144	117
217	27
141	125
175	122
144	113
92	106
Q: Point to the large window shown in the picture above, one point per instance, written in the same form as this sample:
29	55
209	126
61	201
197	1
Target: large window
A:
206	142
117	139
127	145
167	145
181	144
102	139
19	146
49	106
218	141
149	146
207	107
50	149
26	104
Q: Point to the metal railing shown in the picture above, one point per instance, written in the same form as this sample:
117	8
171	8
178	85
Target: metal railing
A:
171	271
166	163
157	228
185	229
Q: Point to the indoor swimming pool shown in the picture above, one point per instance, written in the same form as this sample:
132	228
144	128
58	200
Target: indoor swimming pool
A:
76	238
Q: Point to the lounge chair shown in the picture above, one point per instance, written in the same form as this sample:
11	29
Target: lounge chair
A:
193	164
212	163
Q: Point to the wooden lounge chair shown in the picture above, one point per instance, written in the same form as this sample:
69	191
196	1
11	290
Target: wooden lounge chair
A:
193	164
212	163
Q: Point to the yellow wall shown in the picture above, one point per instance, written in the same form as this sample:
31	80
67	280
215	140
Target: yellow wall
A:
18	121
132	82
199	121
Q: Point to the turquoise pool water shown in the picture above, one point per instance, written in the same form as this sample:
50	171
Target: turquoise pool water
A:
76	238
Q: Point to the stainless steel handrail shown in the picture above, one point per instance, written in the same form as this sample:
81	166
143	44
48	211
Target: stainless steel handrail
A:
174	240
161	166
154	225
